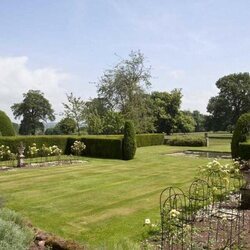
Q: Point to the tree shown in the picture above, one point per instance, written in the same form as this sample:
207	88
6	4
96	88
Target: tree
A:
166	109
67	126
185	122
75	109
200	121
6	127
123	90
113	123
34	109
232	101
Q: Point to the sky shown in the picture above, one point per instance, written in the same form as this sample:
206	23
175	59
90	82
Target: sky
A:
63	46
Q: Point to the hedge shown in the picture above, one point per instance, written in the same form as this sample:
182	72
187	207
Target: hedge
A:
6	127
99	147
187	141
95	146
240	134
244	150
144	140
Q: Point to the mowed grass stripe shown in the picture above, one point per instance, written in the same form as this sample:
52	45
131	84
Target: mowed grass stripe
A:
100	200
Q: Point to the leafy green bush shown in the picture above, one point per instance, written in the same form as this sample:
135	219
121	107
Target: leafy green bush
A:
14	234
241	132
187	141
6	127
143	140
129	141
244	150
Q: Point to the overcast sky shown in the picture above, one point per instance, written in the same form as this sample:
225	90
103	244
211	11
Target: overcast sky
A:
63	46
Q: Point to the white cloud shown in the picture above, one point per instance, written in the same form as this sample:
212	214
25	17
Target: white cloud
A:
17	78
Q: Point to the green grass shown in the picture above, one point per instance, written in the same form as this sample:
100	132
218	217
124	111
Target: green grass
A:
101	201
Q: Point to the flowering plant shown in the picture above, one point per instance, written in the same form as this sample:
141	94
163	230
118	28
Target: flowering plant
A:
33	150
6	154
77	147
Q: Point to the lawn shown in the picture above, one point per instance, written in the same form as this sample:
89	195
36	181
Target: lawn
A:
101	200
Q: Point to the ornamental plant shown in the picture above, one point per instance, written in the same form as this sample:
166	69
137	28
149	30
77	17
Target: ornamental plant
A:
77	148
44	151
129	141
55	150
6	154
33	151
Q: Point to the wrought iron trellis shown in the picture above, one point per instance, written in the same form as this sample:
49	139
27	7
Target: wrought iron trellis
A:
206	217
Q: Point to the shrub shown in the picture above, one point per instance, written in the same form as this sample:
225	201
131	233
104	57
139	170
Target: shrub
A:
240	134
13	232
77	147
6	127
244	150
187	141
129	141
143	140
6	154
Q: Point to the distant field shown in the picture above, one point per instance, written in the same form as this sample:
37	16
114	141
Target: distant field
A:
101	200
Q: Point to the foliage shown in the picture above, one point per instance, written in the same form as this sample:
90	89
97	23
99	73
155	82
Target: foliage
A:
6	154
185	122
33	150
34	109
129	141
143	140
200	121
113	123
241	132
192	141
66	126
78	147
53	131
233	101
166	109
75	109
6	127
122	89
244	150
13	232
16	127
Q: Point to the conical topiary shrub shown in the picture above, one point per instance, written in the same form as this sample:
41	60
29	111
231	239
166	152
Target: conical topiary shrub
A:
129	142
240	134
6	127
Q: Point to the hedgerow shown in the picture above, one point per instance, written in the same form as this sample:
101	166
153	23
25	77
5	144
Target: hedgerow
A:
187	141
143	140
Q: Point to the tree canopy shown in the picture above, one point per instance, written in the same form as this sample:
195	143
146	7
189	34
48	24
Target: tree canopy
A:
34	110
232	101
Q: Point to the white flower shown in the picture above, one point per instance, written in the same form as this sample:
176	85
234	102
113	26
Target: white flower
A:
147	222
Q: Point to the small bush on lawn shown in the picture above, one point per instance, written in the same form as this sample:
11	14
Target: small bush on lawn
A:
129	141
187	141
13	232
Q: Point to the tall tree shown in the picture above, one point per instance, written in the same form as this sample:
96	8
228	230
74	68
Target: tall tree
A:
75	109
200	120
66	126
123	89
34	109
232	101
166	109
185	122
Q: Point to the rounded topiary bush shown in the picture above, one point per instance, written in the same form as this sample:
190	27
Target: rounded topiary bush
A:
241	132
6	127
129	142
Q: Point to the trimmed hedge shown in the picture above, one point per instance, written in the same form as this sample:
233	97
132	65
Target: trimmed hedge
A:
144	140
6	127
99	147
95	146
244	150
187	141
240	134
